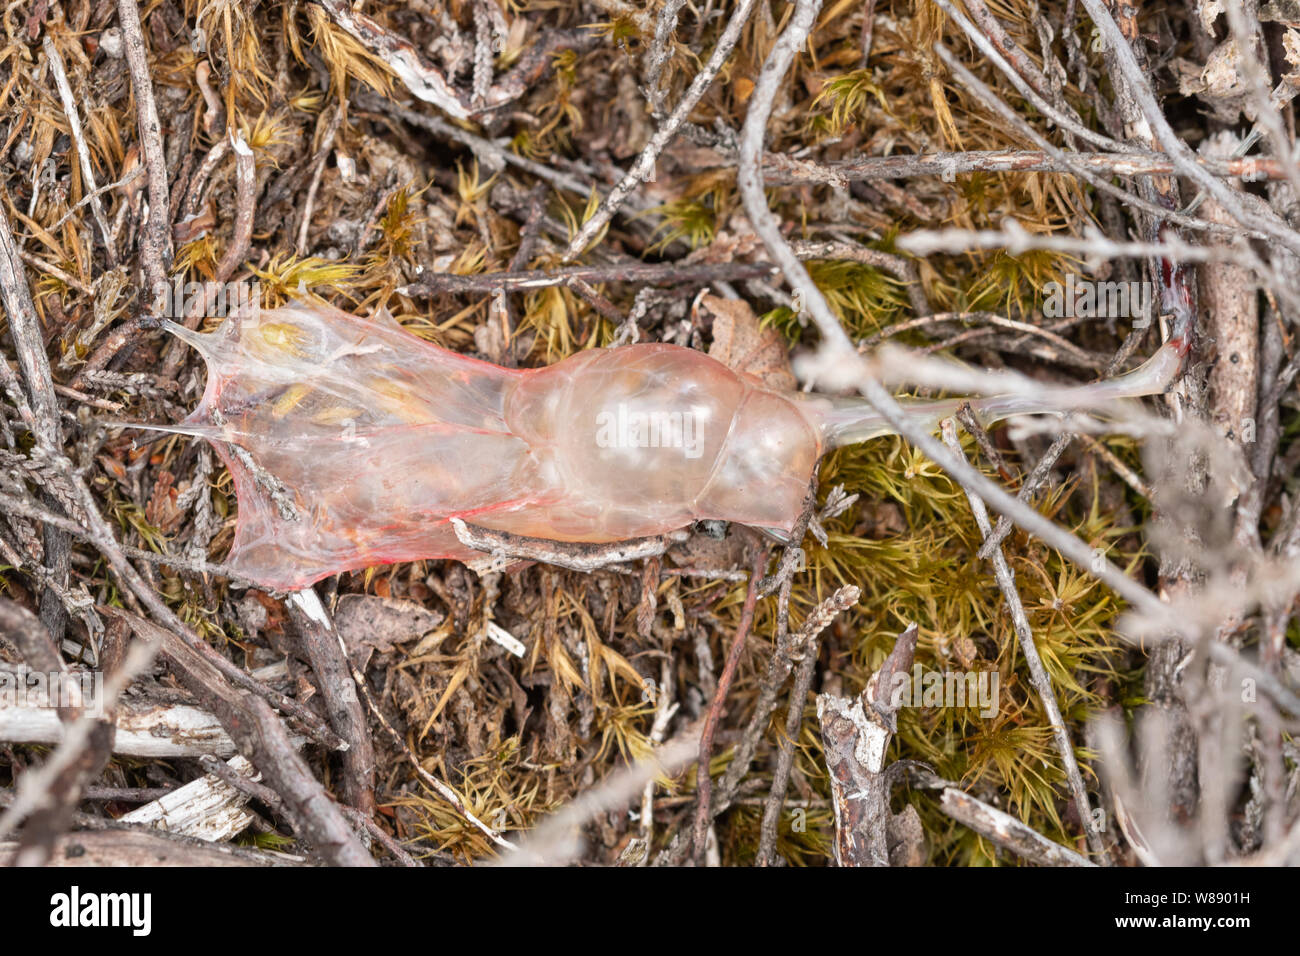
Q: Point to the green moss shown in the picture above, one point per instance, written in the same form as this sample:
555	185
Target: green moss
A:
865	298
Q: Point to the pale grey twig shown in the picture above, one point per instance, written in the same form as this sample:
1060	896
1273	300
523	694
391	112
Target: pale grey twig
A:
1047	109
482	54
778	170
1006	831
1246	30
835	342
659	54
643	168
1263	220
1041	680
1017	241
318	170
135	173
79	141
1010	116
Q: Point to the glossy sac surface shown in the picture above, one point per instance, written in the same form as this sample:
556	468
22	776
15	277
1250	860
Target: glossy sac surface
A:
353	443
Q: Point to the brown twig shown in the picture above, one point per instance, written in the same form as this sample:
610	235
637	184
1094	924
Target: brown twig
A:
868	30
803	679
156	241
261	736
25	329
703	777
328	659
156	237
194	194
365	822
790	648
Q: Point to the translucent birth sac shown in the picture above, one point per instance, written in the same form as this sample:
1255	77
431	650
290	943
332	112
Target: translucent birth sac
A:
354	443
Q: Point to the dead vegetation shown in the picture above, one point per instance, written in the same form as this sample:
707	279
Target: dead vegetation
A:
523	179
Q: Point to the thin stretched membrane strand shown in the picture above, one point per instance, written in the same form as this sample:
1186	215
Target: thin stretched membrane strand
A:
853	420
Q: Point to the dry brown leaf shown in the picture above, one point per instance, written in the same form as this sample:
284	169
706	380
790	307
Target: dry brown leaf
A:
161	511
368	623
740	343
708	553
